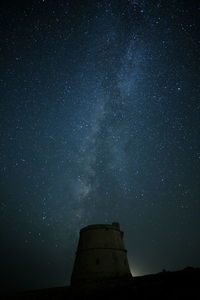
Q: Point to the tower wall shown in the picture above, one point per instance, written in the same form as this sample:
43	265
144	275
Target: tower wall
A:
100	254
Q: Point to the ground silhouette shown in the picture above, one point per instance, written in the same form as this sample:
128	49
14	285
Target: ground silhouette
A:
165	285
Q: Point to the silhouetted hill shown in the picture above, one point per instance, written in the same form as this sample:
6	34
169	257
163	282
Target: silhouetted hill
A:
164	285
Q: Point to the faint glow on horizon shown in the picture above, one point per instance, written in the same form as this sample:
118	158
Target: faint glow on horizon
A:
137	270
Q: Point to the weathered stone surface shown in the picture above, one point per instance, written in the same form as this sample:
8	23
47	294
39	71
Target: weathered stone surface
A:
100	255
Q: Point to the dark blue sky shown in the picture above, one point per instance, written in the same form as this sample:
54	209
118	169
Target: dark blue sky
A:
99	123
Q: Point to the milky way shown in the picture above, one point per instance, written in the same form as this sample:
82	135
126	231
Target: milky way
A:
99	123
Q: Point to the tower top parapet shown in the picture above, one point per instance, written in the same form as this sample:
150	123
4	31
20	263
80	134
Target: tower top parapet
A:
113	226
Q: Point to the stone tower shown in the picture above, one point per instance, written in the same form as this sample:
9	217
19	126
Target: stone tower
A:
100	255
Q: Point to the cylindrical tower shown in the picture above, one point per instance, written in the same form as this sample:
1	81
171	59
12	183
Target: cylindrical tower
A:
100	254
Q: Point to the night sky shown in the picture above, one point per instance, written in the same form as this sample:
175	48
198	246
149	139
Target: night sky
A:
99	122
